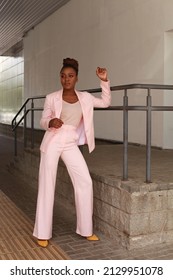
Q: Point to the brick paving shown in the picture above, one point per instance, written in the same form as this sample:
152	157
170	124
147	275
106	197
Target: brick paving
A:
76	247
15	236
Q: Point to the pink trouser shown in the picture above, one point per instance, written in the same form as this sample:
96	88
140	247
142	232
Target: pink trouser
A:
63	144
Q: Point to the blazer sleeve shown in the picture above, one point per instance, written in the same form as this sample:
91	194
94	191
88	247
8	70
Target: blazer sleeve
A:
47	114
105	99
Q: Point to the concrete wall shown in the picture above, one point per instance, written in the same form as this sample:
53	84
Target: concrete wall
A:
125	36
168	99
129	37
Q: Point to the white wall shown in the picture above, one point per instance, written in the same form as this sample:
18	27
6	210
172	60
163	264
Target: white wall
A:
168	98
126	36
11	86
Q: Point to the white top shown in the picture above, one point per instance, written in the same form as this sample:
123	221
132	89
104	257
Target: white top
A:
71	113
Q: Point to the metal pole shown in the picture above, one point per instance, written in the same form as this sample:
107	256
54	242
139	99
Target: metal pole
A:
148	139
15	141
24	129
125	136
32	124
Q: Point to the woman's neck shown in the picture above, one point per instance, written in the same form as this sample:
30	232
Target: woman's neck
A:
70	96
69	92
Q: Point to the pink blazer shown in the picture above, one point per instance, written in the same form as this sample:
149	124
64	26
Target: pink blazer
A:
85	130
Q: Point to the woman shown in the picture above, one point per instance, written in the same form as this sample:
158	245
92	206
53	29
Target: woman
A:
68	120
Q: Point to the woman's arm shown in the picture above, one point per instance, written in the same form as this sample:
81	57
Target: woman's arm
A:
105	99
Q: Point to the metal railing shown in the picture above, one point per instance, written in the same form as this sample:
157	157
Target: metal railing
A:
148	108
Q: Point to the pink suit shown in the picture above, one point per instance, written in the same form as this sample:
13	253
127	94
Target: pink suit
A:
63	142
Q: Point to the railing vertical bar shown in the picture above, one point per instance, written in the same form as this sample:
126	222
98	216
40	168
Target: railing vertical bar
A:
32	124
125	136
148	139
24	128
15	141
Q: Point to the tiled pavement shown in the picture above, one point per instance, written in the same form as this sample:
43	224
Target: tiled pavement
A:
76	247
15	236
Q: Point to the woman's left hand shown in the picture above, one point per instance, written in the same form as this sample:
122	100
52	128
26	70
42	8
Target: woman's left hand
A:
102	74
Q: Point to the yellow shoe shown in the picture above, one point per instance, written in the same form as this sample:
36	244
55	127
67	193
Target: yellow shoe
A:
93	238
43	243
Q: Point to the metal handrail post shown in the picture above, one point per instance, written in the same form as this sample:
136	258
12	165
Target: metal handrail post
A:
125	136
32	124
15	141
148	139
24	128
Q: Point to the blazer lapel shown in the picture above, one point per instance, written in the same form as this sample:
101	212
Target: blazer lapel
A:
58	104
82	101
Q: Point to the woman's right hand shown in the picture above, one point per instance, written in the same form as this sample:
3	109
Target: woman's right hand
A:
56	123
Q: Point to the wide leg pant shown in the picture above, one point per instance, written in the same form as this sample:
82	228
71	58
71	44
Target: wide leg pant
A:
63	145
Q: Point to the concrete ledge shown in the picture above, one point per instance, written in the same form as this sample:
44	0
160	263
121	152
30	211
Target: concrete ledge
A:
134	213
135	218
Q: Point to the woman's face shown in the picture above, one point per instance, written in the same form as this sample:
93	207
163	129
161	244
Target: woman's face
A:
68	78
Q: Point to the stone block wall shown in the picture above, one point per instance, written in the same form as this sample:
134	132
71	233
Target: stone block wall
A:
134	213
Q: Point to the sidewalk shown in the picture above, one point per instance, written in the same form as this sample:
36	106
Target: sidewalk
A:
74	246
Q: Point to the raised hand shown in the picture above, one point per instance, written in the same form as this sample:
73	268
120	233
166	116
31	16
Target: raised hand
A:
102	74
